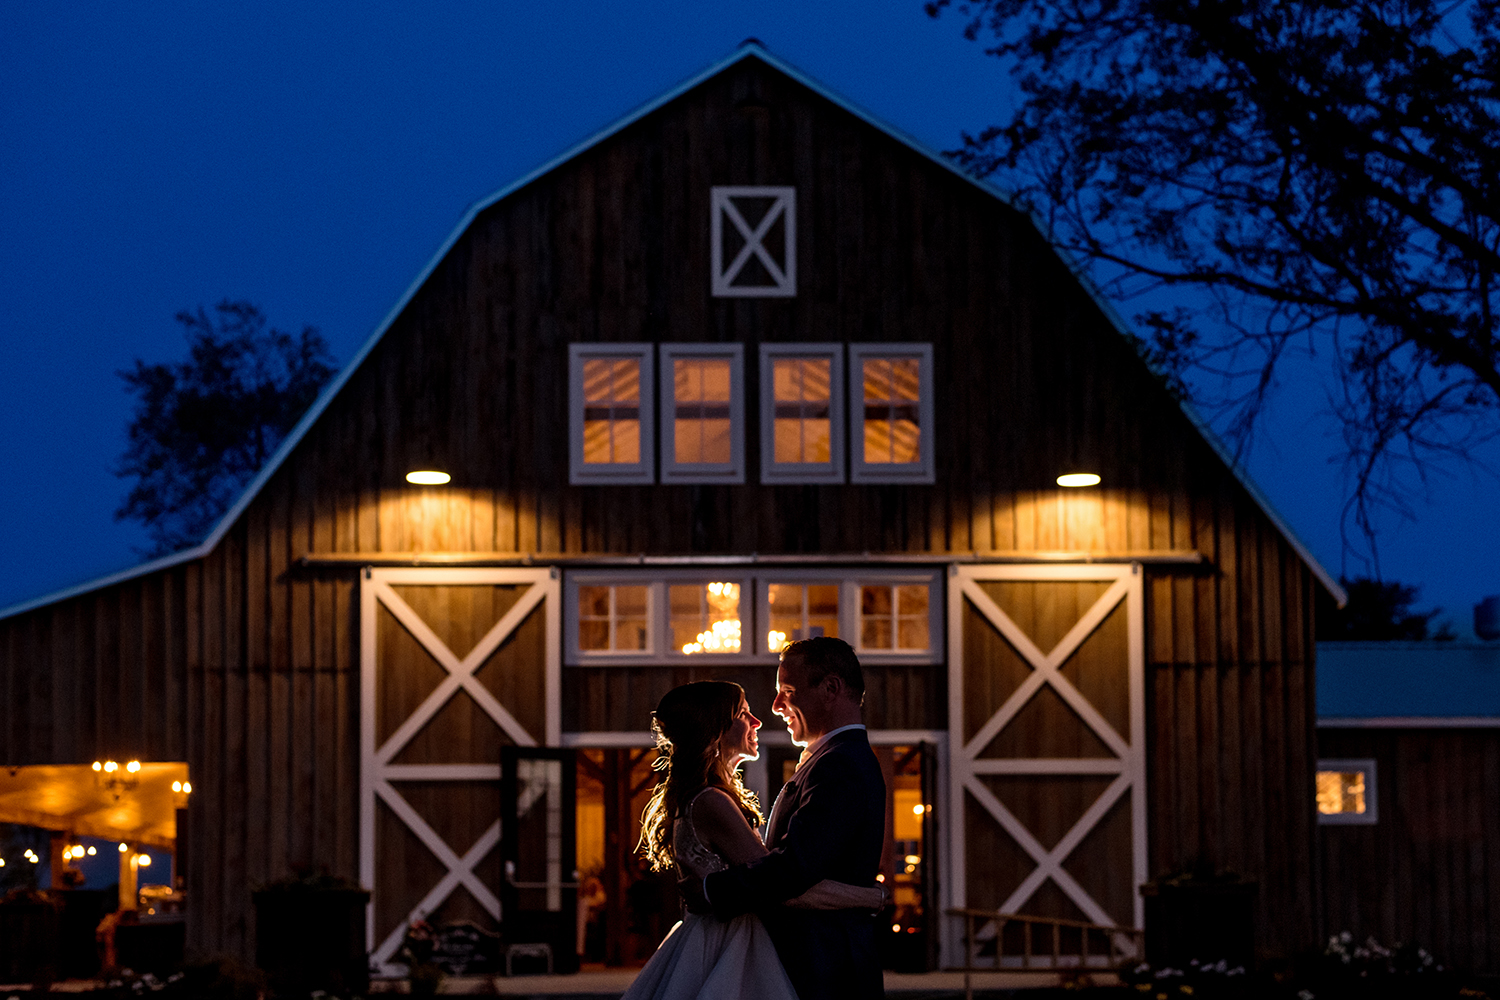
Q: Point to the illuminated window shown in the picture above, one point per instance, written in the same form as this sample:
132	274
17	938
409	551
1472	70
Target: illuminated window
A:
1346	791
802	413
895	617
613	618
753	241
610	413
891	412
800	611
703	413
705	617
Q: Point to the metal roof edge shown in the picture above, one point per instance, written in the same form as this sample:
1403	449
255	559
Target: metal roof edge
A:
120	576
1409	722
744	51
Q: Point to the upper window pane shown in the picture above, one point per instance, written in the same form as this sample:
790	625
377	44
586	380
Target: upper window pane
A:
704	617
892	412
802	397
895	617
612	619
610	422
801	611
611	410
1341	792
701	397
893	424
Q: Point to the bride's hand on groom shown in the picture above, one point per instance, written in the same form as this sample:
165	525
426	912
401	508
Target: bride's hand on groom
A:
691	889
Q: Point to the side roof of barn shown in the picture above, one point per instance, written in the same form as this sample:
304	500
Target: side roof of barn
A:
750	50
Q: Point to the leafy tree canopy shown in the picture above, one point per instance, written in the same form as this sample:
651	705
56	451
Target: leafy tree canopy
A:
1379	610
203	427
1319	176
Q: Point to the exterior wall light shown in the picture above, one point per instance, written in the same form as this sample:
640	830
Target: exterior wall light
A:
1078	479
427	477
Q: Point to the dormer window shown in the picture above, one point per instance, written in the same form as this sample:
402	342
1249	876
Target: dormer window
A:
890	411
703	413
802	413
611	412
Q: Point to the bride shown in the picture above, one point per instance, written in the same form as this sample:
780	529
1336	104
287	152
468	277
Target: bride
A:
702	819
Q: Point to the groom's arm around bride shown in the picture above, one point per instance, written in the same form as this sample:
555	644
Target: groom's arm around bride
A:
827	823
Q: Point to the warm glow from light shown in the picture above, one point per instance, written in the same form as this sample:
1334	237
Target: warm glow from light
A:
144	859
880	877
2	862
775	641
918	809
176	786
427	477
133	766
110	767
98	766
124	847
187	787
896	928
1078	479
92	852
913	859
34	859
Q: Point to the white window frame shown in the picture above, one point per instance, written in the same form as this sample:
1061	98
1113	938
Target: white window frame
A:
860	471
673	471
1371	814
581	473
802	577
772	471
849	581
571	618
659	650
784	202
936	627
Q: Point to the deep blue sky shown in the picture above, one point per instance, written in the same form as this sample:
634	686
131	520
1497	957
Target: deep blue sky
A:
312	158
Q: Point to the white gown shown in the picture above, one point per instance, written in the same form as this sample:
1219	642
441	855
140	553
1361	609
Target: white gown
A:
706	959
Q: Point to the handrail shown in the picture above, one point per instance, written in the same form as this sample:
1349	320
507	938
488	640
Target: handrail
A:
1114	957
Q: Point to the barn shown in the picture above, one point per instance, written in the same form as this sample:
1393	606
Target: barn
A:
745	366
1408	791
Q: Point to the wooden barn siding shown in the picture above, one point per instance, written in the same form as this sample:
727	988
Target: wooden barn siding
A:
1429	871
472	377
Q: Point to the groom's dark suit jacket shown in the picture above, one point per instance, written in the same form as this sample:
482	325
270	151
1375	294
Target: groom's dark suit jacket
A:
828	822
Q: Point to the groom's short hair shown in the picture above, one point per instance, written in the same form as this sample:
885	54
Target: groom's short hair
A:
823	655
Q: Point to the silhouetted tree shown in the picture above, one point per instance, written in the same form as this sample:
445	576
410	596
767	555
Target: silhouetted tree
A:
1379	610
203	427
1325	174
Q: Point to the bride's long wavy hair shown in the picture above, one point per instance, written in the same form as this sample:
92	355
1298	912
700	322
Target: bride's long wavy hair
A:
689	722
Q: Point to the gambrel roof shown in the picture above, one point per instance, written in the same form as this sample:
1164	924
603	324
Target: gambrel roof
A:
749	50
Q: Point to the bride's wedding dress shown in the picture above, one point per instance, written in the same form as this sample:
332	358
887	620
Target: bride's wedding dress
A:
707	959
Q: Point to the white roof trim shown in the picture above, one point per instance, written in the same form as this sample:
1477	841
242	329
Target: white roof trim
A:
1413	722
745	51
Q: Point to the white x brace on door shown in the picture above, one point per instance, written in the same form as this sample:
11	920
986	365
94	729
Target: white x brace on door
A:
379	768
976	768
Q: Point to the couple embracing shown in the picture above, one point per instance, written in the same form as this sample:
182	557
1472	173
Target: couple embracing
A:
791	916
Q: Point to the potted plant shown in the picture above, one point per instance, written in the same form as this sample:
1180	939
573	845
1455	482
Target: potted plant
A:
310	935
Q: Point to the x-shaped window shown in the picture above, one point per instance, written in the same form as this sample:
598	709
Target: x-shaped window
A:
754	241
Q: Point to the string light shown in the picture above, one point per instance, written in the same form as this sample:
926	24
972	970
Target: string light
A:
133	766
124	847
91	851
144	859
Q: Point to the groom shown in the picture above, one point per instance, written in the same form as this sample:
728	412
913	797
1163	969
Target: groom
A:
828	823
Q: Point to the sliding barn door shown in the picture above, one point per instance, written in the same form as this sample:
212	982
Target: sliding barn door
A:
1048	762
455	665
